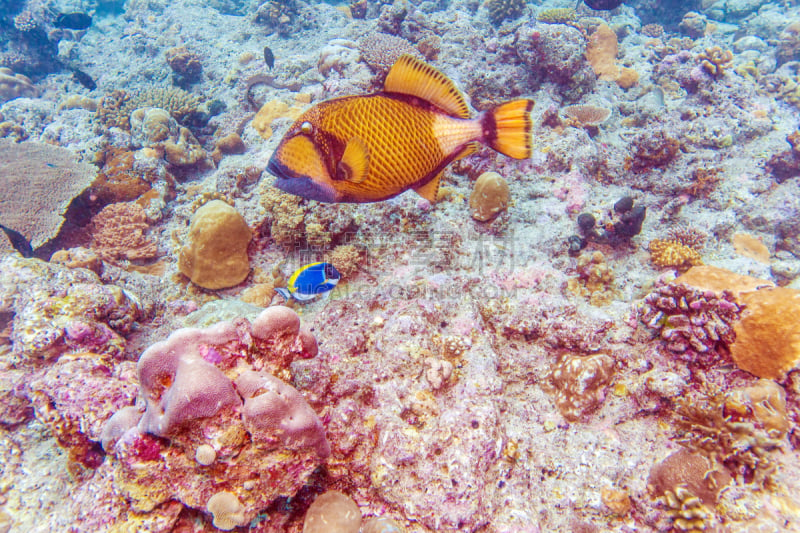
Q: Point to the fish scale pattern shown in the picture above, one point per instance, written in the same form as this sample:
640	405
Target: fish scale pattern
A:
399	135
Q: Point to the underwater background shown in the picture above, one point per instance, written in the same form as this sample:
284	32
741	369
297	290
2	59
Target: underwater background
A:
604	336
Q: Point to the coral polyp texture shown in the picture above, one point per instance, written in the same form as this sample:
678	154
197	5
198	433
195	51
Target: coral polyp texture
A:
210	404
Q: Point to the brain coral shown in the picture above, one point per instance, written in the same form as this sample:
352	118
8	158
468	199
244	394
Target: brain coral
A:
39	182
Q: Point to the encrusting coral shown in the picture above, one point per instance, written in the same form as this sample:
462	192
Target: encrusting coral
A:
118	233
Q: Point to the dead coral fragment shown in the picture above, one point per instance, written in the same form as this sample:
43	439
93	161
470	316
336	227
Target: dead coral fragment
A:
595	279
768	334
578	383
673	254
715	60
655	150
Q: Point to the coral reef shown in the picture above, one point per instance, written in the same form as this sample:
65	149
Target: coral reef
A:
193	398
215	256
715	60
673	254
500	10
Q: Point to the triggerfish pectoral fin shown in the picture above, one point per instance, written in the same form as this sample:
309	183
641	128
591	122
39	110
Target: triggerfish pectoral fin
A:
507	128
354	165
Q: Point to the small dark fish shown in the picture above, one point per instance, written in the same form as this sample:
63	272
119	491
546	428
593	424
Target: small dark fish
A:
73	21
269	57
603	5
84	79
18	241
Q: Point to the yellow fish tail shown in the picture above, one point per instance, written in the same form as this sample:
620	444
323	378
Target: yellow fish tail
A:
507	128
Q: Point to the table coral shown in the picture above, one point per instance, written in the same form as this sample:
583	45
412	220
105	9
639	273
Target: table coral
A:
197	386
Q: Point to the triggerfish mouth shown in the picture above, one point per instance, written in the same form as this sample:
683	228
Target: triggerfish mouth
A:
373	147
310	281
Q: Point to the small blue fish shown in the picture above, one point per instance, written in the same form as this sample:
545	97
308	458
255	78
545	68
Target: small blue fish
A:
309	281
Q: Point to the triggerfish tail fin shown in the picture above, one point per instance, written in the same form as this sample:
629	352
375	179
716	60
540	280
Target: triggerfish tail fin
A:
507	128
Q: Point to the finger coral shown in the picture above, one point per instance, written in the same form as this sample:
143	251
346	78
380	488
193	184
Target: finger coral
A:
768	335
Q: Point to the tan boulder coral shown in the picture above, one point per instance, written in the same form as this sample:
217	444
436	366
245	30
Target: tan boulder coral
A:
216	256
14	85
489	196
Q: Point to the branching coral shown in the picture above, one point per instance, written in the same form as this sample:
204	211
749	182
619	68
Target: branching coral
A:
690	319
715	60
739	443
557	15
115	109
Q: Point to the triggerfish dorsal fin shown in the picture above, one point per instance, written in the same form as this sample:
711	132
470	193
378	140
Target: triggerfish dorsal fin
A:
354	165
430	191
411	76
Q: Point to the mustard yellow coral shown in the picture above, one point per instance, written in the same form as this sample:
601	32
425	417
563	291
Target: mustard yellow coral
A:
673	254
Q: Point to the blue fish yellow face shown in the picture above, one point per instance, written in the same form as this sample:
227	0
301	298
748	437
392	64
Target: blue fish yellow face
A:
373	147
310	281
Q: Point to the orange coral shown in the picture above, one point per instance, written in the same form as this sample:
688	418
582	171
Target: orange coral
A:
752	247
768	334
669	253
118	233
601	53
118	181
714	279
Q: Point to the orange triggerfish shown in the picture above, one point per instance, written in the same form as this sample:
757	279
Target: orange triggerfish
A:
373	147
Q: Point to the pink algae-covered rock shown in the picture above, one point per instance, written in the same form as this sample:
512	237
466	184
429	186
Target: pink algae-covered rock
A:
207	389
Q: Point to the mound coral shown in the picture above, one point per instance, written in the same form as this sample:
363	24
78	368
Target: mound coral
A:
14	85
381	50
332	512
215	256
119	179
489	196
578	382
595	279
118	233
212	388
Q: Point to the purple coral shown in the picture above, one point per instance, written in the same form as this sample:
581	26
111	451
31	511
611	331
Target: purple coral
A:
690	320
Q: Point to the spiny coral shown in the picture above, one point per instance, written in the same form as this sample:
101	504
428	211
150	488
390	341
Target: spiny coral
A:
673	254
557	15
381	50
500	10
215	256
689	319
768	334
715	60
578	382
118	233
489	197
